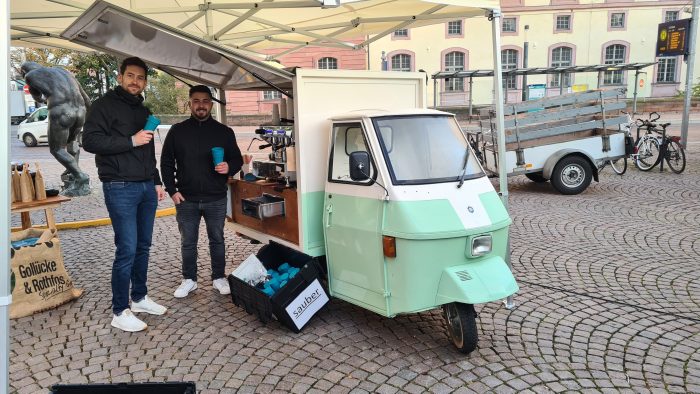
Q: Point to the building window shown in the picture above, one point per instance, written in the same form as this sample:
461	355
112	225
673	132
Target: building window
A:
617	20
614	54
403	33
454	28
509	61
666	70
454	61
271	95
509	25
328	63
561	57
563	23
670	16
401	62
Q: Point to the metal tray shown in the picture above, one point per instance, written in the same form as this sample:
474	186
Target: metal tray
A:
263	207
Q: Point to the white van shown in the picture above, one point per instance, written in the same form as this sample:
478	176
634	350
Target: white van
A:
34	130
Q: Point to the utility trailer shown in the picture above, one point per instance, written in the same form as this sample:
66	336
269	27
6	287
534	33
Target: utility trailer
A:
563	139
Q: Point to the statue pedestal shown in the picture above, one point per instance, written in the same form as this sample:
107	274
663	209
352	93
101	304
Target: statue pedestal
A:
75	187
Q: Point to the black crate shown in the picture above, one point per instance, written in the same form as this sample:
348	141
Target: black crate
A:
125	388
258	303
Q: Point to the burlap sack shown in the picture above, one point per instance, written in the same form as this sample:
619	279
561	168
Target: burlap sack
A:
41	280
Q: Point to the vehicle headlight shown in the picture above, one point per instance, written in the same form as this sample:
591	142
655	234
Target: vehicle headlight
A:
481	245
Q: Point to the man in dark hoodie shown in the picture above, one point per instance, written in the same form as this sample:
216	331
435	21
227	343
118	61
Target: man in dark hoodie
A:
198	186
126	164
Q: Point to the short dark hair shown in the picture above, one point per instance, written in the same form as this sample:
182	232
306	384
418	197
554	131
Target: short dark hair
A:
200	89
133	61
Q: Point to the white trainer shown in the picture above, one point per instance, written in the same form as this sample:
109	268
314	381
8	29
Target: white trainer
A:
149	306
128	322
185	288
221	284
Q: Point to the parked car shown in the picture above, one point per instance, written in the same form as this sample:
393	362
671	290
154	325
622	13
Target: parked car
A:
34	129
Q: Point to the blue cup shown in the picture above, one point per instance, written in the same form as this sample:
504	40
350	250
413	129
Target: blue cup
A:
151	123
217	153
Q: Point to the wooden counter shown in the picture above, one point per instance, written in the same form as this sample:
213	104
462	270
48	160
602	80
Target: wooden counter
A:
285	227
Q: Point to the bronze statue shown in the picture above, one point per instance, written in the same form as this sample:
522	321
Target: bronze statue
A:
67	103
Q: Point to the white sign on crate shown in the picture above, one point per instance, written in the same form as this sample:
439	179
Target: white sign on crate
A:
307	304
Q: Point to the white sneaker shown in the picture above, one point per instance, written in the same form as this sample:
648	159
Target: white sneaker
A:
185	288
149	306
128	322
221	284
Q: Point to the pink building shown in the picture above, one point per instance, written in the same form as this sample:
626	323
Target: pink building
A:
254	103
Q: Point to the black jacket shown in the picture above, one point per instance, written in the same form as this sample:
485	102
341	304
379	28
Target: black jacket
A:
109	125
187	164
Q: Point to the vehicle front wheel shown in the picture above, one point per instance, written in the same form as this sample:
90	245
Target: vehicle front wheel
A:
572	175
29	140
461	326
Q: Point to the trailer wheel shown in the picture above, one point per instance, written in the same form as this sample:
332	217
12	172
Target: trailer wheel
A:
536	177
29	140
572	175
461	326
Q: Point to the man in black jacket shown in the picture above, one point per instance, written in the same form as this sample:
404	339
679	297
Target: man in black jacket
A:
197	185
126	164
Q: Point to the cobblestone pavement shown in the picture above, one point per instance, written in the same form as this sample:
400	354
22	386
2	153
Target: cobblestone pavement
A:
609	302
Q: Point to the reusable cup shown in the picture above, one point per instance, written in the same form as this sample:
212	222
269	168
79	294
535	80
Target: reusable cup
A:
151	123
217	153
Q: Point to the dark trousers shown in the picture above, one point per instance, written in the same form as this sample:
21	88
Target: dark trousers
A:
132	209
189	214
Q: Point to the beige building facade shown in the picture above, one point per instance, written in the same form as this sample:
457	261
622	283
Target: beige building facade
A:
557	33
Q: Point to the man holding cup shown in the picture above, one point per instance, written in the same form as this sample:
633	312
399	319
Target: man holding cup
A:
124	151
199	154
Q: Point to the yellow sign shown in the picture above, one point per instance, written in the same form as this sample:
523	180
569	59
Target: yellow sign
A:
579	88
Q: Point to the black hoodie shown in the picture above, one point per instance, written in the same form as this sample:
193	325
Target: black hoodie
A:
109	125
187	164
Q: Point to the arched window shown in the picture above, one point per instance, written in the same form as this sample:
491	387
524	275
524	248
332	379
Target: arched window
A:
561	57
509	61
328	63
401	62
454	61
614	54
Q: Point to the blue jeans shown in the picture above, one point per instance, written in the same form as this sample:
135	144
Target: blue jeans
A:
132	208
189	214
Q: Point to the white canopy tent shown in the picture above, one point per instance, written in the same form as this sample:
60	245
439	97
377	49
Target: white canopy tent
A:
221	44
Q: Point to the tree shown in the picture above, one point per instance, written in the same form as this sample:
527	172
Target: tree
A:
96	72
166	95
44	56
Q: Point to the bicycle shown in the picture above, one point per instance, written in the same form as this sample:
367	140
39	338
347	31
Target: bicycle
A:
671	150
647	147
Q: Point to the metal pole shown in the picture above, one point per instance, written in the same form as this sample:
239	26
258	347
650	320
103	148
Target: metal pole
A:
221	108
525	53
435	103
500	126
561	83
634	94
5	293
689	72
471	96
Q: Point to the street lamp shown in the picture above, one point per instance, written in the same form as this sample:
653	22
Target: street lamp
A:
525	50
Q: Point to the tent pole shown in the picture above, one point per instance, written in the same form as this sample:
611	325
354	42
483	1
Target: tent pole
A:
5	294
500	126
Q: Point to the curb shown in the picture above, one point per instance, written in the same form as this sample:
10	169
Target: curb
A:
97	222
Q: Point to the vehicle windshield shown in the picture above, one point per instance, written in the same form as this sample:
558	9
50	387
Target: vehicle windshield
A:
421	149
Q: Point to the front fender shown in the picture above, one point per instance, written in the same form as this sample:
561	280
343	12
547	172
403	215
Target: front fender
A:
476	282
560	154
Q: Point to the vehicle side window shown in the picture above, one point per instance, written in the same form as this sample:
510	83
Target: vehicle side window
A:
43	114
347	138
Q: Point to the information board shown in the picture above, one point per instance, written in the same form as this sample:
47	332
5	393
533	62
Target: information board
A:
672	39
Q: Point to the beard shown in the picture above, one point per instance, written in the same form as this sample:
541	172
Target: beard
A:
200	114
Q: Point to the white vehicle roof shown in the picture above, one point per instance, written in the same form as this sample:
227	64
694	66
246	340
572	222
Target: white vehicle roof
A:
371	113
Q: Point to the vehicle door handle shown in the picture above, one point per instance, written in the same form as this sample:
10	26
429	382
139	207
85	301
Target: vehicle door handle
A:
329	212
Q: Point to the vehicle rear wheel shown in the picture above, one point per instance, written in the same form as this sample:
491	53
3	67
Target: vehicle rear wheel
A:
29	140
461	325
675	157
619	165
536	177
572	175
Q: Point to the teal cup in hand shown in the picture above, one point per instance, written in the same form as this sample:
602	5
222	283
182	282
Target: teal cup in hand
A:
217	153
151	123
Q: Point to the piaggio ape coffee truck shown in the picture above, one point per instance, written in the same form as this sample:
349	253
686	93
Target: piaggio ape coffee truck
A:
360	175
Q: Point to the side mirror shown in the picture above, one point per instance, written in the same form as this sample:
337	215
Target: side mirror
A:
359	166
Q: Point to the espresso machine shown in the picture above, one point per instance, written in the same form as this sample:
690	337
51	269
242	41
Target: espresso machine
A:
281	163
